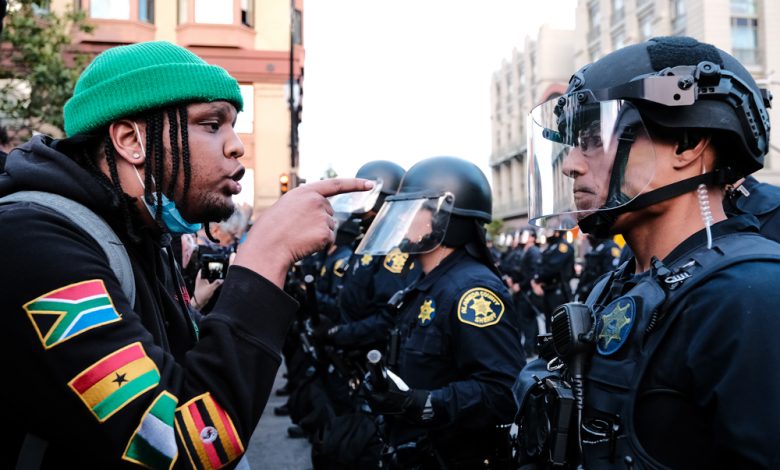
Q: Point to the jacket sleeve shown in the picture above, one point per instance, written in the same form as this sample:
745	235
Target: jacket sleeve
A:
89	362
488	359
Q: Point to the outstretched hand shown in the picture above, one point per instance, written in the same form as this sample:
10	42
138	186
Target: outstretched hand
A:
298	224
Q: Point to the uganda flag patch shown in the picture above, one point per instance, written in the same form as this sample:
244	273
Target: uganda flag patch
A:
208	433
69	311
153	444
114	381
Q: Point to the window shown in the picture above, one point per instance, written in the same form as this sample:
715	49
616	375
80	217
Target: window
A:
146	11
183	11
245	121
296	27
744	40
594	18
646	27
743	7
618	12
110	9
619	38
248	12
678	16
213	12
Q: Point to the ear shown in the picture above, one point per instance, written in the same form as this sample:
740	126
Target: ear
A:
687	156
126	143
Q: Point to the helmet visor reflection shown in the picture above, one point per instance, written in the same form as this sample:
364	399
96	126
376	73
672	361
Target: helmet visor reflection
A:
583	159
356	204
412	223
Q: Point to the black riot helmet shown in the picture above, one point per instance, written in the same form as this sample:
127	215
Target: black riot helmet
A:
441	200
672	87
364	205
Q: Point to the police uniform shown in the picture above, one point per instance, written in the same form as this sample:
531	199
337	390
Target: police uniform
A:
331	281
366	316
102	383
603	258
460	340
555	272
694	361
526	301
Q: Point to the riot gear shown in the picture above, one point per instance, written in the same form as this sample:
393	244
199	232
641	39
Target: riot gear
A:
671	86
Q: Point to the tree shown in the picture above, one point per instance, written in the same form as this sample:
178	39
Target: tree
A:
494	228
40	68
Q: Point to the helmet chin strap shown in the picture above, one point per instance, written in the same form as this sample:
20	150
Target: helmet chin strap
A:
599	223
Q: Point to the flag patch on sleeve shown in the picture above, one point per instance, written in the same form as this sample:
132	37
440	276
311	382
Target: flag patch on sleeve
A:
208	433
71	310
116	380
153	444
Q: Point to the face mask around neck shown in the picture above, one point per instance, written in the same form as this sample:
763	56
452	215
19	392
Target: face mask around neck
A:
171	217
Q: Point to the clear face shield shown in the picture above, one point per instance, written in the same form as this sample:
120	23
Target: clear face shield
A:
357	204
413	223
585	156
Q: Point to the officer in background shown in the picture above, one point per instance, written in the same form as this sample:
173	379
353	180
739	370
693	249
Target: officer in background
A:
644	142
603	257
526	301
334	269
460	341
555	273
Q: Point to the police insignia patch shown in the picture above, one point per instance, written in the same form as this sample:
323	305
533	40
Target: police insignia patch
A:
614	327
480	307
366	260
340	267
395	260
427	312
563	248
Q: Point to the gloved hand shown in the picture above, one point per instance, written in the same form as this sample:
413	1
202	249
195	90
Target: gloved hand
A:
321	332
398	399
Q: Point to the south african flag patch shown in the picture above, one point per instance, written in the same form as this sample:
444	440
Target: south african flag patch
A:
208	433
71	310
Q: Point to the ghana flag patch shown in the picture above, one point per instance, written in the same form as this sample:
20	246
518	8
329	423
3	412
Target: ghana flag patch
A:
71	310
208	433
153	444
114	381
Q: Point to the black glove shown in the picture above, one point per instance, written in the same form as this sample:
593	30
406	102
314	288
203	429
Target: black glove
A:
412	404
321	332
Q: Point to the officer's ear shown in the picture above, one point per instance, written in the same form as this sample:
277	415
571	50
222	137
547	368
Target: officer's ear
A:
127	136
690	148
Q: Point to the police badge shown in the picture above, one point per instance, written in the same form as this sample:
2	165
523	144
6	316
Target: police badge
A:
614	327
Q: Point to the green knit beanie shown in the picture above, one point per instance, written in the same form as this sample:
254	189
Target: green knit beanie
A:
127	80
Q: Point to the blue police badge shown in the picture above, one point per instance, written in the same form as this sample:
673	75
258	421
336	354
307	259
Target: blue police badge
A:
427	312
615	325
480	307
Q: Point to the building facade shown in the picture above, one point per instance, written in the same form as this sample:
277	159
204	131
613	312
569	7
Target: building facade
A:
748	29
259	42
531	76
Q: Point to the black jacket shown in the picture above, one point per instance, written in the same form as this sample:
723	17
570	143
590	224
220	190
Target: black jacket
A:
105	384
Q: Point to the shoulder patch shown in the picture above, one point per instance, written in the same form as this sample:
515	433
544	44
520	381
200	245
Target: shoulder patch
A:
209	437
153	444
395	260
366	259
615	252
427	312
563	248
480	307
116	380
71	310
615	325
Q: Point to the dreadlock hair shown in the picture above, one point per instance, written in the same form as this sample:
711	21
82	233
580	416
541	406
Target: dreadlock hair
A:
154	180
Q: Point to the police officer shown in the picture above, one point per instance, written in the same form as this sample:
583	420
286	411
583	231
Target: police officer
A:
460	341
603	257
334	269
526	301
555	273
646	138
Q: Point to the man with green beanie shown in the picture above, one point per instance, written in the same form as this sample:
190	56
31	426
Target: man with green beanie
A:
111	367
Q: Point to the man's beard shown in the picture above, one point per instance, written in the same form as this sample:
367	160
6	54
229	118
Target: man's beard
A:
212	208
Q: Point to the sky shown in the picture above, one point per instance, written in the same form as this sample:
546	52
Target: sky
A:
404	80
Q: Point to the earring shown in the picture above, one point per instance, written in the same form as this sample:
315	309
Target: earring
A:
136	155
